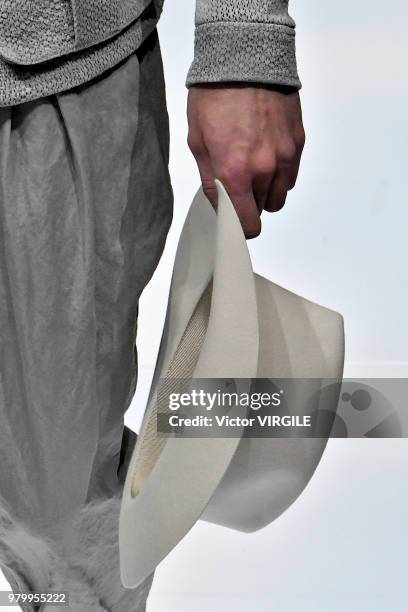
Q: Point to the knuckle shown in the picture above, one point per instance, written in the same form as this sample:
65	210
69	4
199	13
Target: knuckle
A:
194	144
266	166
287	151
290	178
291	183
234	171
300	138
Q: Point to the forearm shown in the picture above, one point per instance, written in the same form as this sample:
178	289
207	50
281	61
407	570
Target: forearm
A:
246	41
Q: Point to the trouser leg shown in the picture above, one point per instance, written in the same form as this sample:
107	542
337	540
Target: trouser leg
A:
85	206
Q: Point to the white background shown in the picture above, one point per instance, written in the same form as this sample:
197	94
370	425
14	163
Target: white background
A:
340	241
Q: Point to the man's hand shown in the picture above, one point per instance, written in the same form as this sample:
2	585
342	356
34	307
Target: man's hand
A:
251	138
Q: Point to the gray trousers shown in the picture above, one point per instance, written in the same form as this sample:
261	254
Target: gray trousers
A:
85	207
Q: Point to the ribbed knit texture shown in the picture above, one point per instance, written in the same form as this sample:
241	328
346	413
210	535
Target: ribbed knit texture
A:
53	45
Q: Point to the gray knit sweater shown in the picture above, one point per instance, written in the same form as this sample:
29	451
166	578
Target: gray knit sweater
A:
49	46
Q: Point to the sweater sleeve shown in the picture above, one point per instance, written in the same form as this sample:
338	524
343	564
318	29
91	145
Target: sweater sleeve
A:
244	40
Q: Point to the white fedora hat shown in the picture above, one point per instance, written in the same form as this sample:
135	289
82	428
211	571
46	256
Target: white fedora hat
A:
225	322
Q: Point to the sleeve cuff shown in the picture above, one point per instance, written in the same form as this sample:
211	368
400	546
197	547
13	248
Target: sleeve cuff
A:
253	52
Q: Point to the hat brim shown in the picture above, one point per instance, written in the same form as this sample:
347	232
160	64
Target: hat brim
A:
188	471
